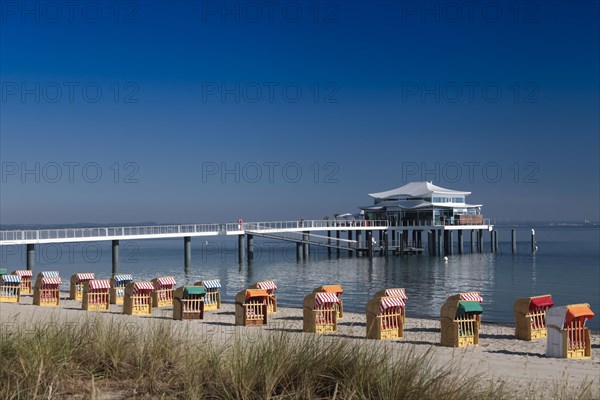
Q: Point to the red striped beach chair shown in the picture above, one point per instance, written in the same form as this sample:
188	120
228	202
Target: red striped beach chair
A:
46	292
320	312
26	275
270	287
77	281
385	317
162	296
338	291
138	298
96	295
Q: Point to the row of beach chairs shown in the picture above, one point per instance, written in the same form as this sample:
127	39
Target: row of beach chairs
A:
460	316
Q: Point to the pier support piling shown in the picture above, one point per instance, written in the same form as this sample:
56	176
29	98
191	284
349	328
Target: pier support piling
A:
329	243
358	235
240	248
298	251
492	241
349	243
305	239
480	240
338	243
187	251
30	256
513	240
472	241
115	257
439	242
460	242
250	246
495	241
370	244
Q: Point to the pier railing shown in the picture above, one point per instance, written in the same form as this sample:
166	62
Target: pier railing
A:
425	223
101	233
106	233
313	224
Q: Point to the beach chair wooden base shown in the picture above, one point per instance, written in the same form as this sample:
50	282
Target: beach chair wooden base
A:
162	298
26	288
46	298
251	314
9	299
188	309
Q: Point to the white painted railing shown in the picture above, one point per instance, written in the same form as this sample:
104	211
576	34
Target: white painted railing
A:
101	233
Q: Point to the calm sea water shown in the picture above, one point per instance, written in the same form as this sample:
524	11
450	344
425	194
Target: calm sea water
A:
567	266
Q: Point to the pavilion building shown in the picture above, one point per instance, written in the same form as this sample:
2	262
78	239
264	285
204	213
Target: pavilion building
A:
419	207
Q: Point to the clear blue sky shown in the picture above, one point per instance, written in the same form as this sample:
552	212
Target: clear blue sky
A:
206	111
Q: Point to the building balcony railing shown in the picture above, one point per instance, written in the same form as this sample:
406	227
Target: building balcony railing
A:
446	222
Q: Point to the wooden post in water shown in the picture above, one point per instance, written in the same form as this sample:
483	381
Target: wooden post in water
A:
115	257
491	241
472	241
370	244
439	242
187	251
495	240
480	240
513	239
305	239
31	256
358	235
460	241
250	246
298	251
349	243
533	242
338	243
329	243
240	248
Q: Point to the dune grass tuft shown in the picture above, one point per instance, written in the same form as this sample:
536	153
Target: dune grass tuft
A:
102	358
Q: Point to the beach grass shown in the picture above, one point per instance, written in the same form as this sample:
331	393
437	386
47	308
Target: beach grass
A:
110	358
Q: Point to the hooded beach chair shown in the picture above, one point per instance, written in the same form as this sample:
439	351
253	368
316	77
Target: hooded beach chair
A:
251	307
530	317
10	288
118	282
320	312
460	320
385	317
188	302
212	300
270	287
95	295
338	291
46	292
163	291
138	298
395	292
26	275
77	281
567	335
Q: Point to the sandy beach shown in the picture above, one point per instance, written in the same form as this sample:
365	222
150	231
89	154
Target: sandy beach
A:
499	357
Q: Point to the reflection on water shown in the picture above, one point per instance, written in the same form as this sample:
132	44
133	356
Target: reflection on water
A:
566	266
